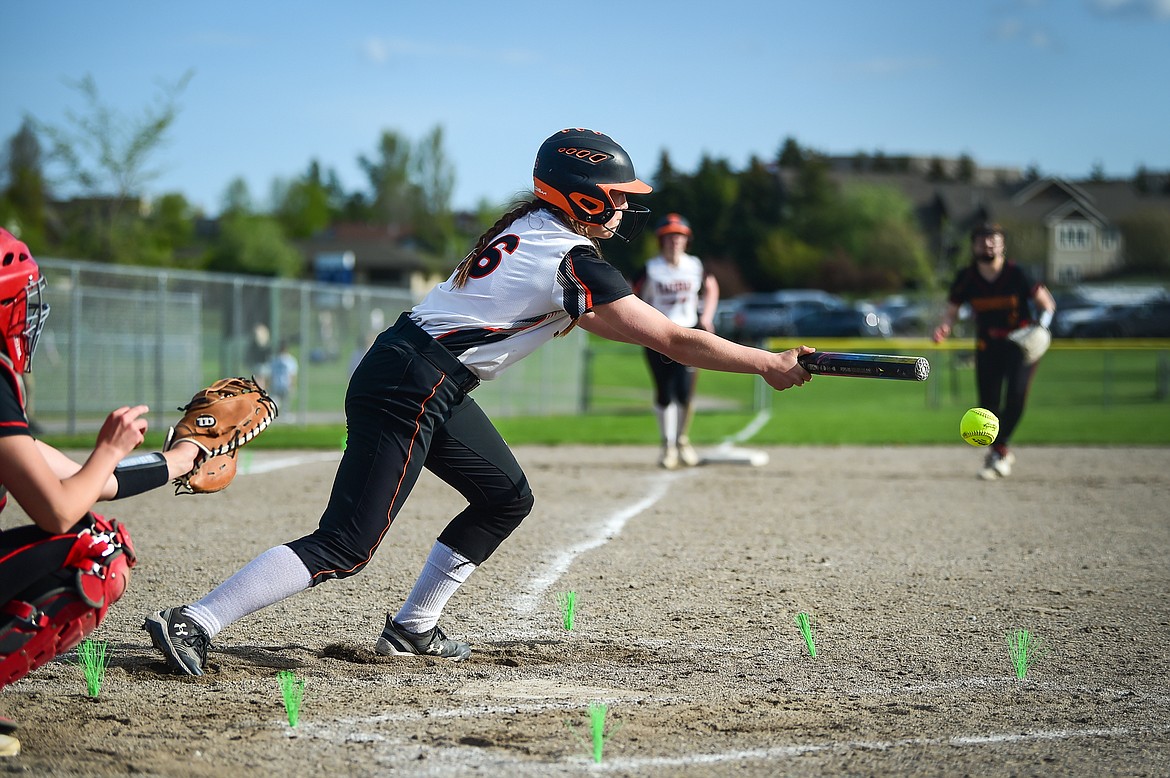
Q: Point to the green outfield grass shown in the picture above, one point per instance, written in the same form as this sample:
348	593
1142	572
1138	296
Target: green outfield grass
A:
1090	397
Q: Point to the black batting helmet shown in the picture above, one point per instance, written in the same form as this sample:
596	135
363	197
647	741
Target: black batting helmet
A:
577	170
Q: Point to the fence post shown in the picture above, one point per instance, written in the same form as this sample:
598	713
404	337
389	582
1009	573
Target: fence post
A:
160	351
586	377
1162	376
75	293
306	349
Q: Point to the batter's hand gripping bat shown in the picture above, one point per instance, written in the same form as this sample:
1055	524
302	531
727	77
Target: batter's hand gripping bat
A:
865	365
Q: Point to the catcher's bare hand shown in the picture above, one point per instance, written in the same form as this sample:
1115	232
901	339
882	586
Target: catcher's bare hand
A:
124	429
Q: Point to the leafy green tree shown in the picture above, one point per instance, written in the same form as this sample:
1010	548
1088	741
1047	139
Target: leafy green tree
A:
24	195
237	200
791	155
435	181
108	155
880	234
302	205
411	187
785	261
935	171
254	245
1147	241
757	213
966	170
1025	243
715	188
388	173
816	218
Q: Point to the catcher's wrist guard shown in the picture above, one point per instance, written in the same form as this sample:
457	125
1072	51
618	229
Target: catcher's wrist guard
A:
219	419
139	474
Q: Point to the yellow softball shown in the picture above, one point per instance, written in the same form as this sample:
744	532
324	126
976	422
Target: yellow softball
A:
979	427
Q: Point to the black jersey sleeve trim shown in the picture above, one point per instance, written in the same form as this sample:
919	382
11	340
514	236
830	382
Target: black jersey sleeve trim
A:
588	280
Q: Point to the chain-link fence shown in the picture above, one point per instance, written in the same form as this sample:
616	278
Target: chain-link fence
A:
120	335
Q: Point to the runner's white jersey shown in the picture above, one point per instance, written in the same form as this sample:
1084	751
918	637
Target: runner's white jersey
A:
673	289
534	279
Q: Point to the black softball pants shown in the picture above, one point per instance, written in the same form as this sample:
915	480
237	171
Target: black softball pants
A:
408	407
1003	381
673	381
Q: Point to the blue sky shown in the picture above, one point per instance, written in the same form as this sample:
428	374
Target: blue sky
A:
1062	84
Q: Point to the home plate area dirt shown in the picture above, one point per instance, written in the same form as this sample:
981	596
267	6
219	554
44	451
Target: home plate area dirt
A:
684	657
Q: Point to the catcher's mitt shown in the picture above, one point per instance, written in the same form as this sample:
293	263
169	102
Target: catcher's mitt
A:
220	419
1033	341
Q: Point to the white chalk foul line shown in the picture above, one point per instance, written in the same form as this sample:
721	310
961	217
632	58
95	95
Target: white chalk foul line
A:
754	426
783	752
536	586
351	730
272	465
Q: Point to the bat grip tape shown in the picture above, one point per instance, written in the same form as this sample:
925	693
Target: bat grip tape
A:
141	473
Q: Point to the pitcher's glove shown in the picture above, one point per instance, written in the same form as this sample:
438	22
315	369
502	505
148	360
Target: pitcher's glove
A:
1033	340
220	419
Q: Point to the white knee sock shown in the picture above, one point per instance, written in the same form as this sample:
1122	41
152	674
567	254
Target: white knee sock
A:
668	422
269	578
442	575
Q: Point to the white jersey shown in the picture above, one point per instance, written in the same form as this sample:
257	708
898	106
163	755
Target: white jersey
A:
673	289
528	286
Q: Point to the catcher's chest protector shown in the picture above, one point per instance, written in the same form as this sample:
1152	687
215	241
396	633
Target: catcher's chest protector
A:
78	577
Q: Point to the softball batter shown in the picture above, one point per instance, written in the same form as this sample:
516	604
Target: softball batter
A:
534	275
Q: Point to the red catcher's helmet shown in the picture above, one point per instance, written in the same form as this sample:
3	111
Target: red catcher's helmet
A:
578	170
22	307
672	224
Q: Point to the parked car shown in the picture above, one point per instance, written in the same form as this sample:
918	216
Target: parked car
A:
1086	311
1147	320
907	317
725	317
859	321
772	314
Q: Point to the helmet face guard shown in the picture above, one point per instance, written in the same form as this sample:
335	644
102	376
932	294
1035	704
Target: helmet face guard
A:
23	309
578	171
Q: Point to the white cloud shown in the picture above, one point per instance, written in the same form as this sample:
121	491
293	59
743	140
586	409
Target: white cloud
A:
1015	30
375	51
380	50
887	66
1158	10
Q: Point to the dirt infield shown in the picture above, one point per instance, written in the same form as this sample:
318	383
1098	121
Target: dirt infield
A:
687	585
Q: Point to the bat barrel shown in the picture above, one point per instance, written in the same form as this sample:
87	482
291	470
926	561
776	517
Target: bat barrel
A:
889	366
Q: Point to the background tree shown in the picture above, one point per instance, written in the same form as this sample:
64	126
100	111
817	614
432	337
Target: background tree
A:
253	244
434	179
388	173
107	156
1026	244
791	155
302	206
1147	241
236	199
757	214
880	235
24	192
965	172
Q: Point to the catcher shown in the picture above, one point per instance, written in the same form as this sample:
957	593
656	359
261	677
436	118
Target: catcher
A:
60	574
